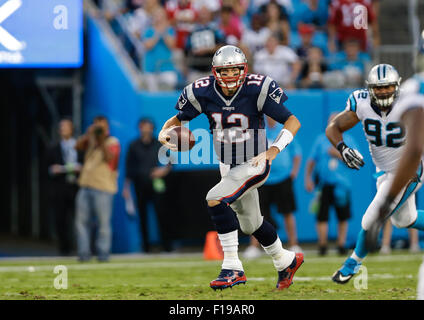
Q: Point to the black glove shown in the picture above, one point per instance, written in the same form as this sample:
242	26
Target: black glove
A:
351	157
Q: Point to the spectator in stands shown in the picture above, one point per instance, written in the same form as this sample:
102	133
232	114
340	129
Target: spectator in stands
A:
134	4
279	62
277	20
98	183
230	25
147	175
158	66
313	69
353	63
313	12
150	6
64	164
327	174
240	8
347	21
285	4
182	17
254	38
306	33
201	45
137	22
212	5
279	190
139	15
112	8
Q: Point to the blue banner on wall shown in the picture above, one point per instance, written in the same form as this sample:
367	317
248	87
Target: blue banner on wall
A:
42	33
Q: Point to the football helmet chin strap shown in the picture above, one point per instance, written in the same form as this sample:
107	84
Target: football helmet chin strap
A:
230	82
383	101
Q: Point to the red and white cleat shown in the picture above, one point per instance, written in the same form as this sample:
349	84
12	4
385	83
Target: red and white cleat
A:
285	277
228	278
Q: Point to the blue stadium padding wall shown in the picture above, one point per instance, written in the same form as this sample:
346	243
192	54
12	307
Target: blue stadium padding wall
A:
108	91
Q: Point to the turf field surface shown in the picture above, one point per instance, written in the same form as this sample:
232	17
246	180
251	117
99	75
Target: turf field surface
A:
187	277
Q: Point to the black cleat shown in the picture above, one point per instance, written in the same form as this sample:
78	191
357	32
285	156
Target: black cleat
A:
347	271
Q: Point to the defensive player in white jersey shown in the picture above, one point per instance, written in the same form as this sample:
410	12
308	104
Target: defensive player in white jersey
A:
375	107
412	116
409	107
235	103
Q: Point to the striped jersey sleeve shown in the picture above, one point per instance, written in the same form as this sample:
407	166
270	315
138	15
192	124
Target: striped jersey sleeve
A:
351	103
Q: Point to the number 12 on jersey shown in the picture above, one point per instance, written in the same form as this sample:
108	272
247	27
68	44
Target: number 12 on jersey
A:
237	133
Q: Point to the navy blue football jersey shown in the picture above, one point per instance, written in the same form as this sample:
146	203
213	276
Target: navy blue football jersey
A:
236	122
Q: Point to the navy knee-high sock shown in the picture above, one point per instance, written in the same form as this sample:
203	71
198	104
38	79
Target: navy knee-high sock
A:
265	234
224	218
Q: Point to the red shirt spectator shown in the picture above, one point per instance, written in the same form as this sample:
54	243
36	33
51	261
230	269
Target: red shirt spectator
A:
182	16
230	25
350	19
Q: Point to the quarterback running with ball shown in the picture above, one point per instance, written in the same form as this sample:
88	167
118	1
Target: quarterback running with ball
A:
377	108
235	103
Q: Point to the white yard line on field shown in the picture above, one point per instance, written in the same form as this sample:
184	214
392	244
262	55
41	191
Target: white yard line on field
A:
118	256
328	278
111	265
33	267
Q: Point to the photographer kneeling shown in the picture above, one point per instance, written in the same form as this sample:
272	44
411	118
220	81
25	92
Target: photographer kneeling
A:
98	184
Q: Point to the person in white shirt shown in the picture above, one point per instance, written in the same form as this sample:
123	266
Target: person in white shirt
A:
280	62
255	37
212	5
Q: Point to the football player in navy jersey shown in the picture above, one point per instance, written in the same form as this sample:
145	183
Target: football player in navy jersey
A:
235	103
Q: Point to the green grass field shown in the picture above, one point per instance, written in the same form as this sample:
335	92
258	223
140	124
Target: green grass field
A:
187	277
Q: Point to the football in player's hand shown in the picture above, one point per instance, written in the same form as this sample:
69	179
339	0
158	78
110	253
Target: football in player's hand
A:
182	137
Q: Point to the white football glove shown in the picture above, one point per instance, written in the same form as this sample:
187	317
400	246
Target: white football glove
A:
351	157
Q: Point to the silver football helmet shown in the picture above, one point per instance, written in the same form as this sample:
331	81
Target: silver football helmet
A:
227	57
383	75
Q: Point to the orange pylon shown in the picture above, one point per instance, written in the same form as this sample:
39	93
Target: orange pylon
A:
212	249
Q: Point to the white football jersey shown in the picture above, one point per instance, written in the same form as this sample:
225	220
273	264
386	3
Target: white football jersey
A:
384	131
410	101
412	94
415	84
